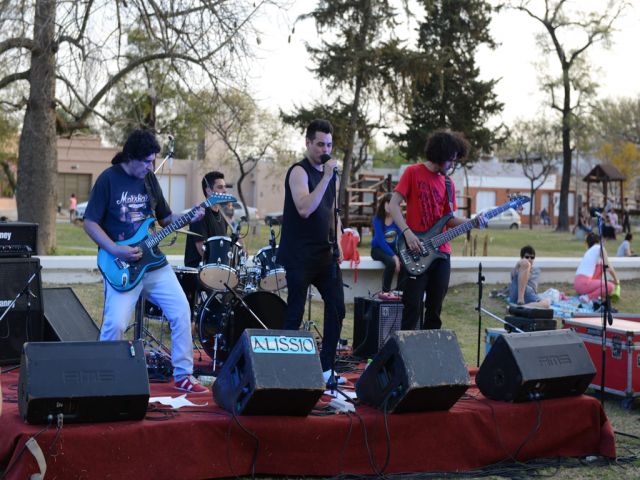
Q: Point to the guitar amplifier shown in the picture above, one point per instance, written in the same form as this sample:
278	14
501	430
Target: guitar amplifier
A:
374	321
18	239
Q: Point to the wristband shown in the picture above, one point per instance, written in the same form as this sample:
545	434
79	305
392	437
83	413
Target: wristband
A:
405	230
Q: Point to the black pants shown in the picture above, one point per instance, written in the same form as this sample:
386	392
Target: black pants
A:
435	283
389	269
328	280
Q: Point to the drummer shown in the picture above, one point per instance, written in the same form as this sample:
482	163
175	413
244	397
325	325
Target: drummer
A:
213	224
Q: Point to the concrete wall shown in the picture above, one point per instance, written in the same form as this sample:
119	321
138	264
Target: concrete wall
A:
496	270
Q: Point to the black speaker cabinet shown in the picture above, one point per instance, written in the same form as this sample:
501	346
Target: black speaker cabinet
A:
415	371
530	312
65	318
374	321
271	372
529	324
24	321
84	381
535	365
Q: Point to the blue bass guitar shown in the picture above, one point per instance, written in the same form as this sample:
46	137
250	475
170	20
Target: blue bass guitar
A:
123	275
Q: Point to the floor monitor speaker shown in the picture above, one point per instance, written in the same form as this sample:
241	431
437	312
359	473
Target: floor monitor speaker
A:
66	318
83	381
271	372
535	365
415	371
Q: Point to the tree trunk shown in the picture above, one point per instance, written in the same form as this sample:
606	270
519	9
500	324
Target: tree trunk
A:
353	120
563	214
38	160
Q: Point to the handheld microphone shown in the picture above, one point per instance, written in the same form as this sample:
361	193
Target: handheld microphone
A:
324	158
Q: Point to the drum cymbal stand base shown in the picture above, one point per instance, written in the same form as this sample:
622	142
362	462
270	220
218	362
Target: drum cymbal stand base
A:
153	346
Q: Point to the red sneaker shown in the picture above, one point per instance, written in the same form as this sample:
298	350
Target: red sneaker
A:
191	384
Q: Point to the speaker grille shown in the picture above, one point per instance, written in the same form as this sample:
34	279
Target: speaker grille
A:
24	322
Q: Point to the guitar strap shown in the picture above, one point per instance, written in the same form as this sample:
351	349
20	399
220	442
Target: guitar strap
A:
152	187
447	183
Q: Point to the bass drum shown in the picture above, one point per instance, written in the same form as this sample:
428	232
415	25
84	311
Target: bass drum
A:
222	320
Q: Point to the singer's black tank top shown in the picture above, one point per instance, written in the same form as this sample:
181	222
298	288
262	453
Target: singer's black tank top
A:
307	241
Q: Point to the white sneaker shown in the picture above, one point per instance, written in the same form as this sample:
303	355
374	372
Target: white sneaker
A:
339	380
584	298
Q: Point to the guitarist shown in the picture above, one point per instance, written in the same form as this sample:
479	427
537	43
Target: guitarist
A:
429	195
122	198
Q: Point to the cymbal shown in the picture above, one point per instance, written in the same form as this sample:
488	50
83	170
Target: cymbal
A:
187	232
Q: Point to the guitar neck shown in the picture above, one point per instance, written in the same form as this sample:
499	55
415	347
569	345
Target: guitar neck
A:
456	231
185	219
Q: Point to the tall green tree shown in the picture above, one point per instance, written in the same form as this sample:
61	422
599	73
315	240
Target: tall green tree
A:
68	56
452	95
569	31
361	64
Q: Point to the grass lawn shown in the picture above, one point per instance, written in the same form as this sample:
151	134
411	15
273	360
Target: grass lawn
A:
71	240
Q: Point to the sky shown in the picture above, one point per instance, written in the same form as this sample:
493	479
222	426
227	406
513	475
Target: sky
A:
280	77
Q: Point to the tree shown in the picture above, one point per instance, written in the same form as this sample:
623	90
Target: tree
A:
618	120
361	67
533	145
561	24
8	155
250	135
77	55
452	96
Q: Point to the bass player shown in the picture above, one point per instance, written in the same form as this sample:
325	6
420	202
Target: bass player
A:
429	194
122	198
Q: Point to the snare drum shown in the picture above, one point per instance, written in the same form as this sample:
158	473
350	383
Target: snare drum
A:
249	278
221	258
272	275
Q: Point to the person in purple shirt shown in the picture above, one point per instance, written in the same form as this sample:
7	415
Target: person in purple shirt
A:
383	244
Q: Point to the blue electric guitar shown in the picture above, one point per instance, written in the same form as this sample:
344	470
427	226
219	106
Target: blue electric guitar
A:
418	263
123	275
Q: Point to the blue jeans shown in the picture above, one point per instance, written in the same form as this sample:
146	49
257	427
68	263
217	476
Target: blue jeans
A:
162	288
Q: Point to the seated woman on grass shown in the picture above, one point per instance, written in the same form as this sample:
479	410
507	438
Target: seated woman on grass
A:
589	281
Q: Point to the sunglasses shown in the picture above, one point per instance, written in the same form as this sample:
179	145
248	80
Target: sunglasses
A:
529	257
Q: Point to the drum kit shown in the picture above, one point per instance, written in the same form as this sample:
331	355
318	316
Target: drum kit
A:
227	292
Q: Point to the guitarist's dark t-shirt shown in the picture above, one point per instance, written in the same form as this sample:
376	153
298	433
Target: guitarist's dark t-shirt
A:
119	203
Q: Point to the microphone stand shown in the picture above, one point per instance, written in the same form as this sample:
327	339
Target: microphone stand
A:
169	155
332	384
479	310
244	304
606	309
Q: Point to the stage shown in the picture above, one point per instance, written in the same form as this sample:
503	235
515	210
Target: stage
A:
208	442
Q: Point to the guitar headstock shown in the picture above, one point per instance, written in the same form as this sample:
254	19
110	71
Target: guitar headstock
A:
217	198
516	201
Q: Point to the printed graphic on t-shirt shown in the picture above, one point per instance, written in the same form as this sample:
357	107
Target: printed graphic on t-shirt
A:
133	211
431	204
390	236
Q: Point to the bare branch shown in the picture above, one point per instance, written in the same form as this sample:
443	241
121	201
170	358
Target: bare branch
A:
14	77
18	42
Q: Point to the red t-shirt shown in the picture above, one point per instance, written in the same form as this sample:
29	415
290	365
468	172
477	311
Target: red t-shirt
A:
426	195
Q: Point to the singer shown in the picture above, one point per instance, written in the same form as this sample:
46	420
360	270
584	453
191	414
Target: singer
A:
123	197
310	242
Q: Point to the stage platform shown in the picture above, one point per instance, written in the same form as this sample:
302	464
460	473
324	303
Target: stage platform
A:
207	442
